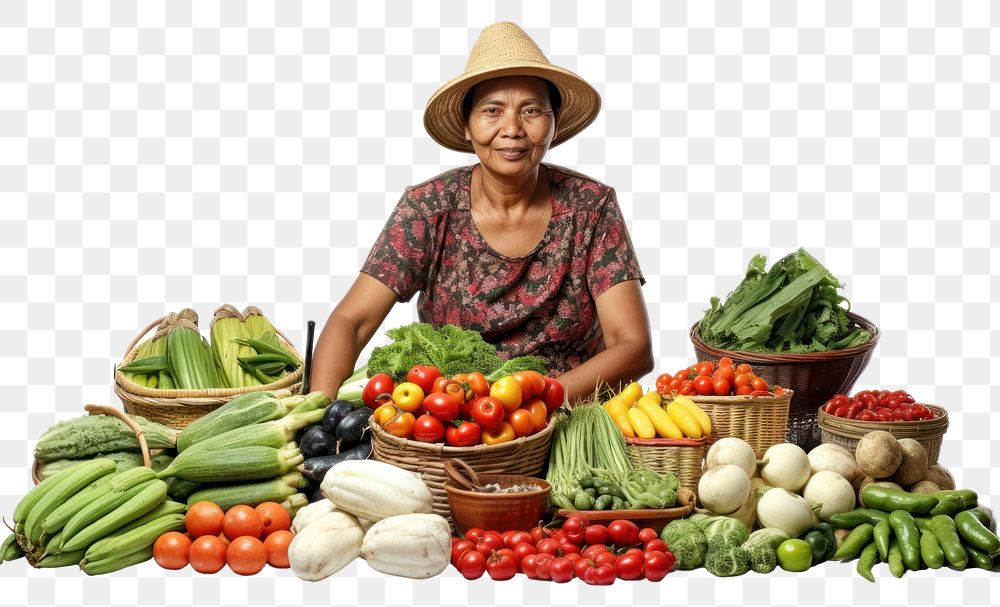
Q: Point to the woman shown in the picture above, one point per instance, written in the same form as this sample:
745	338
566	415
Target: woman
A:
535	257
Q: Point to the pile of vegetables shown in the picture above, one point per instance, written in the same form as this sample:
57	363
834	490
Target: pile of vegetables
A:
794	307
589	469
595	554
707	379
646	416
244	351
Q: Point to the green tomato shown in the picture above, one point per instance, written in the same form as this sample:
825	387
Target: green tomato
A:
794	555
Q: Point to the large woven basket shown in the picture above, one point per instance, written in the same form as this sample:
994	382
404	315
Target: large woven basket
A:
761	421
815	377
682	457
847	432
178	408
526	455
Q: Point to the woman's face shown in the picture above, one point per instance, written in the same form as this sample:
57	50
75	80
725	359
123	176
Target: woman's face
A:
511	123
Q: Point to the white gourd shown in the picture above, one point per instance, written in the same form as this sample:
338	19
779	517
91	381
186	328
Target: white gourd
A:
311	513
416	546
375	490
325	546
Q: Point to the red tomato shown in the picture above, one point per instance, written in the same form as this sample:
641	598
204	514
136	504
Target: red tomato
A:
744	368
475	534
576	523
594	550
423	376
742	379
603	574
606	558
655	544
647	534
487	411
527	385
595	534
478	384
459	547
703	385
721	387
548	546
629	566
472	565
465	434
501	566
539	414
560	570
523	549
380	383
662	382
489	543
726	373
687	387
623	533
705	368
725	361
743	390
759	383
520	420
508	392
553	394
442	406
440	383
658	564
428	429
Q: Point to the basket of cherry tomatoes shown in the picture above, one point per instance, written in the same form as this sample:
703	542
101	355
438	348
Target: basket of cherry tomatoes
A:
736	399
503	427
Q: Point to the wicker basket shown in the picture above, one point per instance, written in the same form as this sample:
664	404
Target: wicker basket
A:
682	457
178	408
761	421
815	377
526	455
847	432
105	410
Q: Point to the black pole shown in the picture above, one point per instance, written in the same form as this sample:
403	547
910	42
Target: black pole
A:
307	371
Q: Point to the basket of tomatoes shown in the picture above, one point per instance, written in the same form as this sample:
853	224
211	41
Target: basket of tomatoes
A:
738	402
504	427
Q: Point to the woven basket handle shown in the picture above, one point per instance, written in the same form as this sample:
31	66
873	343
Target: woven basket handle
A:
471	482
142	334
106	410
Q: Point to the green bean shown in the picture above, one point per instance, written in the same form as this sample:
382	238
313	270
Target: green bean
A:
881	534
869	556
947	535
907	538
855	542
930	550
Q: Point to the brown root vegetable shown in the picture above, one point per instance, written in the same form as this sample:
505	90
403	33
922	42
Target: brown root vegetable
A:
878	454
913	467
924	487
939	475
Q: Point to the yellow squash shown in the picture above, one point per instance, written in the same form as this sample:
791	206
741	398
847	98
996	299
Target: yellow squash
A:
684	420
699	414
640	423
665	427
618	412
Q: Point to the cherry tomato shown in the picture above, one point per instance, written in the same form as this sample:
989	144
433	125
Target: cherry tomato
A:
725	361
575	524
423	376
743	390
623	533
687	387
721	387
442	406
553	394
465	434
459	547
472	565
408	397
503	433
508	392
520	420
685	374
658	564
539	415
560	570
548	546
478	384
629	566
501	566
456	390
647	534
703	385
655	544
705	368
759	383
662	382
596	534
428	429
487	412
401	425
744	368
380	383
742	379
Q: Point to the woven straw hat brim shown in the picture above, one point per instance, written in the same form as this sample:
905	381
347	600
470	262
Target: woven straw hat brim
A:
443	118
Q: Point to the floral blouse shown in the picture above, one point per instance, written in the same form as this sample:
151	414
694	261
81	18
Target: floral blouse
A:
542	303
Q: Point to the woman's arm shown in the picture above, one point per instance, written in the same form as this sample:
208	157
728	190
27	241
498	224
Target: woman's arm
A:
621	311
348	330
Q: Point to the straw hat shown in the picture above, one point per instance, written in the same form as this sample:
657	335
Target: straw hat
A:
504	49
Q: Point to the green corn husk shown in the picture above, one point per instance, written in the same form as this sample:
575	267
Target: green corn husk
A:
228	331
259	327
190	360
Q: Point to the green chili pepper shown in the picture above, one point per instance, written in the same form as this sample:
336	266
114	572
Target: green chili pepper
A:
882	534
888	500
978	558
975	534
907	538
603	502
859	516
923	524
869	556
930	550
855	542
947	535
895	561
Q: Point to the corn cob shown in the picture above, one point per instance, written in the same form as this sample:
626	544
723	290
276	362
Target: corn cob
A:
10	550
227	332
149	498
166	382
246	409
259	327
190	364
90	434
252	494
134	539
275	434
122	488
68	484
233	465
155	346
58	518
118	562
63	559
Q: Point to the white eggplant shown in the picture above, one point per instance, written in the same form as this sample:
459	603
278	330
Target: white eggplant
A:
416	546
325	546
375	490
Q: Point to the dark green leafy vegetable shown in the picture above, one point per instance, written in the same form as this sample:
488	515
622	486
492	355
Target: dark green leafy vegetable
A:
793	307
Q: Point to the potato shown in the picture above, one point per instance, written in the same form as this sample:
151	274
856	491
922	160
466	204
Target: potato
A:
924	487
939	475
913	467
878	454
886	484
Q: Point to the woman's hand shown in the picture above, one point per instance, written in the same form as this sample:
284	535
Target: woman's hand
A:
621	311
348	330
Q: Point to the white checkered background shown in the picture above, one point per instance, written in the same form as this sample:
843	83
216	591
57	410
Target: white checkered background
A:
204	152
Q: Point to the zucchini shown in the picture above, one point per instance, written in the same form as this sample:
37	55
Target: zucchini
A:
315	468
91	434
353	429
336	412
316	442
180	489
244	410
229	465
273	490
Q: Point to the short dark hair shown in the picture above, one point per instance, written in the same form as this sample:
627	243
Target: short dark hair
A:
555	99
